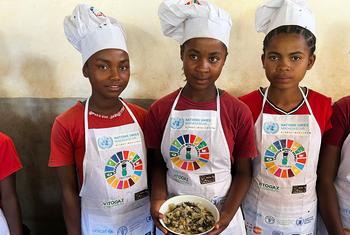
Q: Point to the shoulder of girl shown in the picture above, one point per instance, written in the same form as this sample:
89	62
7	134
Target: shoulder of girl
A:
165	101
319	97
72	113
4	138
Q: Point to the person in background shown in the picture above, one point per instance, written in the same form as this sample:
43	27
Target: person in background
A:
333	185
10	211
201	138
97	146
289	123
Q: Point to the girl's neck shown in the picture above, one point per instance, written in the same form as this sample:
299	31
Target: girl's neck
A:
199	95
285	99
105	107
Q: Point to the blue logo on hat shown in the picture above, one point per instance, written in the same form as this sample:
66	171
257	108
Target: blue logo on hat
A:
105	142
271	127
177	123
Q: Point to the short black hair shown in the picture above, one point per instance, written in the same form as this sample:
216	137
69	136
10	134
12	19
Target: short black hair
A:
309	37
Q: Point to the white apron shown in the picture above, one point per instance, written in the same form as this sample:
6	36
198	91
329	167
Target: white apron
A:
197	156
114	194
4	229
342	185
282	198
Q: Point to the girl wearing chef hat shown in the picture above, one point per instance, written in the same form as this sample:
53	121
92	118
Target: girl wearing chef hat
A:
334	174
99	142
199	135
289	123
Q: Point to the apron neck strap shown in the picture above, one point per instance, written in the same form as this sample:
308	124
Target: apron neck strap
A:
86	123
302	93
217	100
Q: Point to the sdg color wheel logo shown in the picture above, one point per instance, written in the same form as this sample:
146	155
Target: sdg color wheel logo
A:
285	158
189	152
123	169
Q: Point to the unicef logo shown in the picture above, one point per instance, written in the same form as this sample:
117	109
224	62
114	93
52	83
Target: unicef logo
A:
122	231
176	123
271	127
105	142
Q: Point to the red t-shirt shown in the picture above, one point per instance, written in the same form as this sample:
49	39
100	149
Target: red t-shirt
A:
236	121
68	137
321	107
9	160
340	123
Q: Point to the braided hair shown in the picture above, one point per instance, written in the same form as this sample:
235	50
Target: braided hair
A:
309	37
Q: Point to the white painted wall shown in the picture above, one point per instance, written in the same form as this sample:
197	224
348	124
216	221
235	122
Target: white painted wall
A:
37	61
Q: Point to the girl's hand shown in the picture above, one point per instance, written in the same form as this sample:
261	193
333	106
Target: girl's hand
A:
156	215
221	225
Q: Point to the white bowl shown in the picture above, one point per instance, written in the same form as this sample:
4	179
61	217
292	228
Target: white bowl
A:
189	198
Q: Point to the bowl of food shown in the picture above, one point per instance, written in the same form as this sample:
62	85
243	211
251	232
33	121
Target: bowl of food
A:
189	214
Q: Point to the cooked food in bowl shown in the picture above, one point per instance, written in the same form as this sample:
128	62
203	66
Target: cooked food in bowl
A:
188	218
188	214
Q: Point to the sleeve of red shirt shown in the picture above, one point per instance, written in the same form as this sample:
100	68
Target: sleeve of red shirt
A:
340	123
9	160
62	149
245	146
254	101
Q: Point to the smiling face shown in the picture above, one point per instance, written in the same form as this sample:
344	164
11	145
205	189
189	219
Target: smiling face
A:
108	71
286	60
203	60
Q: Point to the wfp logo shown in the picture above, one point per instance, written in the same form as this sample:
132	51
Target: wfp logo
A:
105	142
271	127
176	123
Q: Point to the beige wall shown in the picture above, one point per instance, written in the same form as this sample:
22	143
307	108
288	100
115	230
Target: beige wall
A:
37	61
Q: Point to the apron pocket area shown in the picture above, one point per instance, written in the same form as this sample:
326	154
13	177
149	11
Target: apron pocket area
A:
283	215
135	222
292	217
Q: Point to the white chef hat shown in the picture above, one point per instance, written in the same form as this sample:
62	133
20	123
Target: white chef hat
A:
90	31
275	13
186	19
